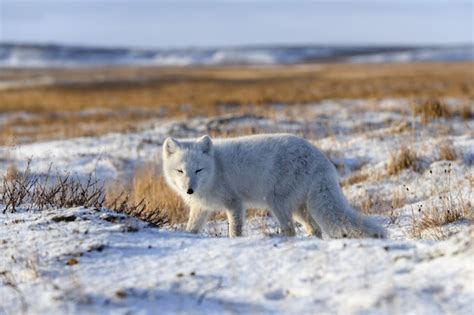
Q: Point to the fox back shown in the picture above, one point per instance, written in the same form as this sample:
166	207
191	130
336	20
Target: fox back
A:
249	167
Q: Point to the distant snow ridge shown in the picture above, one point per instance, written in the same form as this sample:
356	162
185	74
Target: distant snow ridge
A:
445	54
46	55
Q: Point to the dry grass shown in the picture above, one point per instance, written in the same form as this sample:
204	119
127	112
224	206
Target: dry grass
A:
368	204
45	126
178	92
17	188
24	188
400	127
466	111
371	203
12	173
404	158
147	196
431	109
398	199
149	188
447	151
46	192
447	205
434	218
204	88
355	178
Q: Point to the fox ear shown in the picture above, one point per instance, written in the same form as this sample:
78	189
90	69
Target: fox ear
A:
170	146
205	143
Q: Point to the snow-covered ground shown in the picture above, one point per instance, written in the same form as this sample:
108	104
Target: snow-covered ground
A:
353	132
94	266
94	261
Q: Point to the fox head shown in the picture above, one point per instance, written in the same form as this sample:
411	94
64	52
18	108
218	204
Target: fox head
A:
188	165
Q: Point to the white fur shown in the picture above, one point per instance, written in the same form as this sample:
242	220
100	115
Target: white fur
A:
282	173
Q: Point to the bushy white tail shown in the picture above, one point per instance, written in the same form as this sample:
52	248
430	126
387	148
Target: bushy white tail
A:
336	217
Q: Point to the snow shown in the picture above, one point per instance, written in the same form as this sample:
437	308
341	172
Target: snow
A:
120	265
333	125
45	55
167	271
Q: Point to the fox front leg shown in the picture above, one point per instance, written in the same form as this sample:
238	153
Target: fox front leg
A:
197	219
235	217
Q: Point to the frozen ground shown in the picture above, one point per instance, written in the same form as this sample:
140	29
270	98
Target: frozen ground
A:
124	267
86	261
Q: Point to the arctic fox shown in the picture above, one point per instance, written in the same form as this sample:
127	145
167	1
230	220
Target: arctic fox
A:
282	173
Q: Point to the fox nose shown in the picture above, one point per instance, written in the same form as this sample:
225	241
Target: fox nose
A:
190	191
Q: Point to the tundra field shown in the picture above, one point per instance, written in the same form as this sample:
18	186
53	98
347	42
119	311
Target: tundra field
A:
87	224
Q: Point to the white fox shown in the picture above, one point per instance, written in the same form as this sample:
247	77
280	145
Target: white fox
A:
282	173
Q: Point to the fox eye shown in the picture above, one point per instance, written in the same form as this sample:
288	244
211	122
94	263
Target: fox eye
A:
197	171
179	171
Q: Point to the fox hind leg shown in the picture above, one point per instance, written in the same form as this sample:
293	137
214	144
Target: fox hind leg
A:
302	216
283	216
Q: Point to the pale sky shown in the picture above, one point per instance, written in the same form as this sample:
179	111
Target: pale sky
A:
219	23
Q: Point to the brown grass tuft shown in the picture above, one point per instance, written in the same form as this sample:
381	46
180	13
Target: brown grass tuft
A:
404	158
12	173
430	110
436	217
400	127
148	185
398	199
354	178
368	204
372	203
447	151
149	189
466	112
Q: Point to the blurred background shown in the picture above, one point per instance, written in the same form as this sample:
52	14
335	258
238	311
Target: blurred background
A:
72	66
167	33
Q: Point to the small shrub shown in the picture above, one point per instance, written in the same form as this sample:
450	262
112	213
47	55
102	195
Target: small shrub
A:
24	188
16	187
66	192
